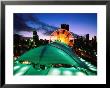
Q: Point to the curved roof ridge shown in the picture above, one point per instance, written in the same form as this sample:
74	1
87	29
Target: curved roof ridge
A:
69	52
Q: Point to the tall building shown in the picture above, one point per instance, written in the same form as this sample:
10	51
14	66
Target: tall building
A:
35	37
87	37
95	38
65	26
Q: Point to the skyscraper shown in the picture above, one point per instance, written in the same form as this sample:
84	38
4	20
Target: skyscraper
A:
65	26
87	37
35	38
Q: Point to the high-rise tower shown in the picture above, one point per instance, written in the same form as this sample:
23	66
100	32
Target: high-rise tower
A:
35	37
65	26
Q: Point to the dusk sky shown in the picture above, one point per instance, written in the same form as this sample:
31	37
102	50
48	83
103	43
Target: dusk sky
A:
46	23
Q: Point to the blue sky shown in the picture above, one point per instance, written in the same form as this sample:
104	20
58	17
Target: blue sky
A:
79	23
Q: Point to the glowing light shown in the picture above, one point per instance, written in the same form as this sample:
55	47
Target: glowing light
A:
82	59
22	71
16	67
25	62
67	73
89	64
62	37
54	72
93	68
24	68
31	40
53	38
15	58
71	38
79	49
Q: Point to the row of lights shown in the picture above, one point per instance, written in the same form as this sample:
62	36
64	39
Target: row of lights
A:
25	62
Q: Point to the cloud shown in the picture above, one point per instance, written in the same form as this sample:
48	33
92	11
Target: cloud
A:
20	24
22	20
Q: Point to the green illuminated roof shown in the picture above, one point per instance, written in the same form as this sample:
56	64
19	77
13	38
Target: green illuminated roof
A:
53	53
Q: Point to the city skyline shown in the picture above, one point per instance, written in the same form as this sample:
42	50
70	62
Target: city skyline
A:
45	23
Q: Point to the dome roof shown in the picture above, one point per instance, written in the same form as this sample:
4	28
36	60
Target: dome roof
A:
53	53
